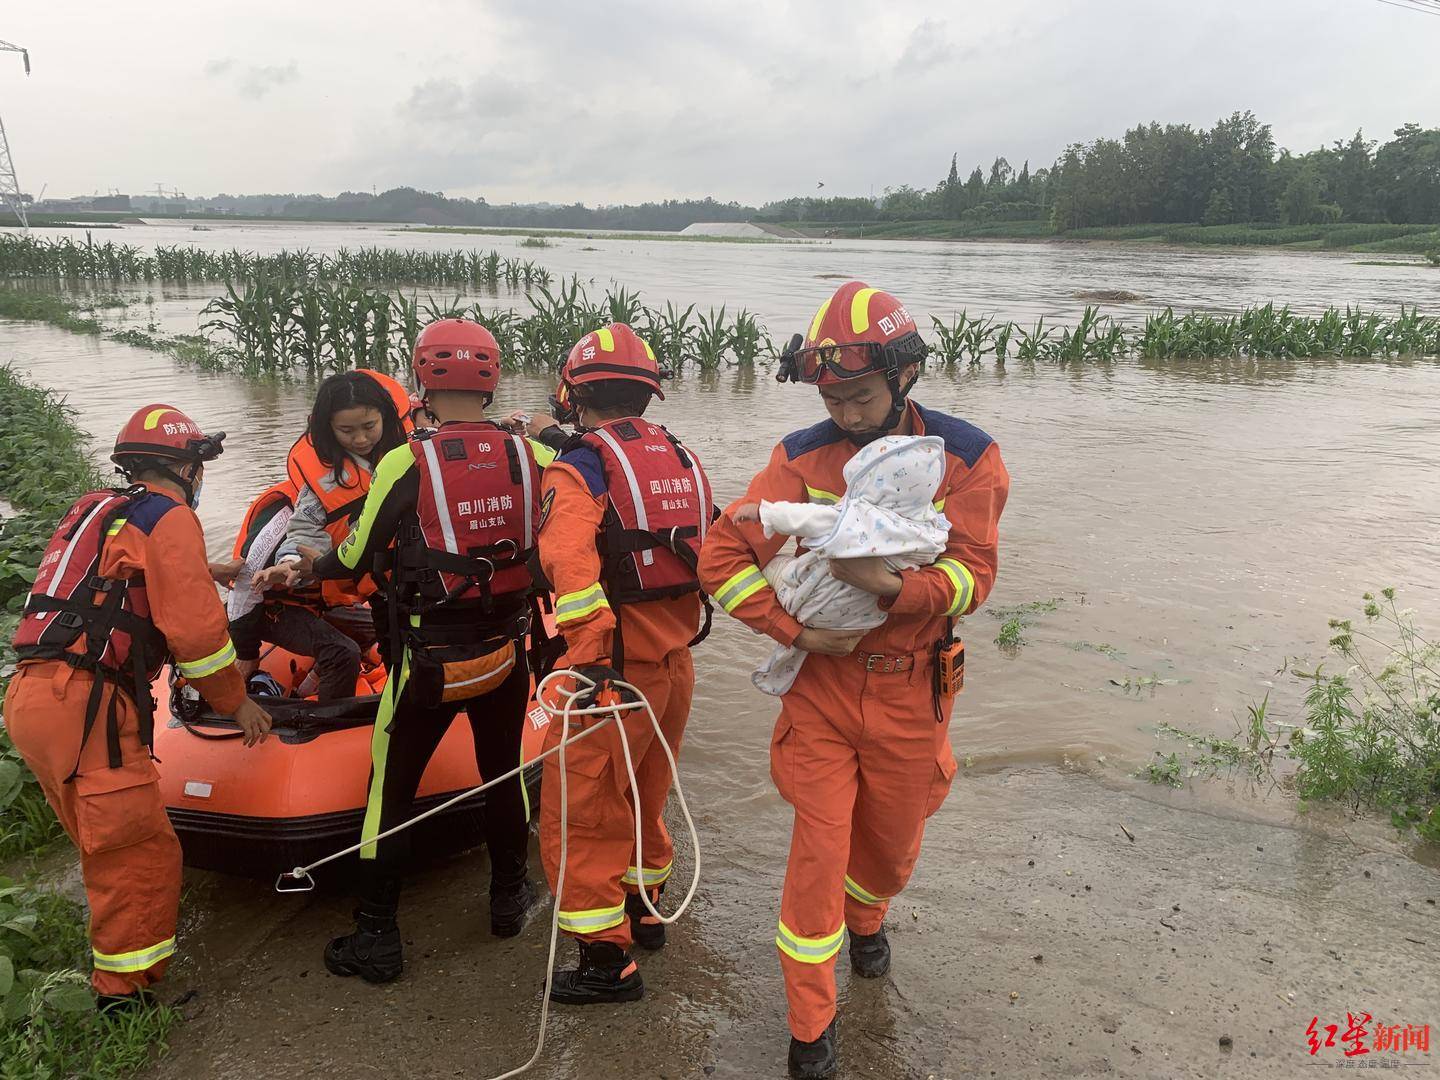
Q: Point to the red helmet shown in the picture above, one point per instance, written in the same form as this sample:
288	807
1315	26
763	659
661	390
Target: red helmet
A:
612	352
163	431
457	354
855	332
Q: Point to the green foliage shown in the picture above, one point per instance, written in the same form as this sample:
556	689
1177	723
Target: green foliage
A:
1371	736
66	260
1433	257
43	467
1368	737
1016	618
1011	634
48	1023
273	326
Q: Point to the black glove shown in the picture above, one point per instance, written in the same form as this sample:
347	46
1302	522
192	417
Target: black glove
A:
604	678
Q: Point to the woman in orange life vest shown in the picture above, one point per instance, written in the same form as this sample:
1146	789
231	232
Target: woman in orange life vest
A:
460	506
358	417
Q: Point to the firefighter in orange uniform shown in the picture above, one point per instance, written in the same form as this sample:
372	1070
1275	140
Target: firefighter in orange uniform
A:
624	509
861	749
122	588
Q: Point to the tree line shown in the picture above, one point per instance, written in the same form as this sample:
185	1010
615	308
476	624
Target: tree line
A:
1174	173
1171	173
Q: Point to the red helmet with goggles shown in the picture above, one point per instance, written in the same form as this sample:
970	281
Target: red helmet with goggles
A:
855	332
163	432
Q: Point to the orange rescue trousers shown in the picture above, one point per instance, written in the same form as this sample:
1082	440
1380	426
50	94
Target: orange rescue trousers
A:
600	868
129	855
861	757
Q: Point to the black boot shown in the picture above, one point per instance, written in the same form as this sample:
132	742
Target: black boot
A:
648	932
870	954
373	951
509	907
814	1060
118	1004
605	974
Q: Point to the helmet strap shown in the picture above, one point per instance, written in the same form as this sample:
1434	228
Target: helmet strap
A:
187	487
898	396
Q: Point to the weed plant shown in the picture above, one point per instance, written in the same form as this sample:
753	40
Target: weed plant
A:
1368	735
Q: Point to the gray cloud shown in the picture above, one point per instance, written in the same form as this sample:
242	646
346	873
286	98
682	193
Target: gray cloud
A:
640	99
256	82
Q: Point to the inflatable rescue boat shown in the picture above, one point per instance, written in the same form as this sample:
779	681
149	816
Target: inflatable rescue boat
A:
301	794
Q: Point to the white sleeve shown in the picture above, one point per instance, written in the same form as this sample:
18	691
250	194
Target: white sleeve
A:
307	526
805	520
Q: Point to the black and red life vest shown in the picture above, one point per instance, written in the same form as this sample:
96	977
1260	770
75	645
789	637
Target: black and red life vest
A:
477	515
98	624
659	511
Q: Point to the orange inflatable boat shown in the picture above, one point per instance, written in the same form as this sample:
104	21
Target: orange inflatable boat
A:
301	794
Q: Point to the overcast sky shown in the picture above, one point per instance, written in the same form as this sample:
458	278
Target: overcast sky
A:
624	101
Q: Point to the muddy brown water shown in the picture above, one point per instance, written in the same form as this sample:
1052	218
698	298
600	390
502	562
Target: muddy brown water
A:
1194	525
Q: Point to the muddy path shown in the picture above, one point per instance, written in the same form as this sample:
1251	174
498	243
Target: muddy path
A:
1128	958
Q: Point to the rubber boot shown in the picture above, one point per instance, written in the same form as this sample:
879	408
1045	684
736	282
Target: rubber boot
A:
648	931
124	1004
605	974
373	950
870	954
509	907
814	1060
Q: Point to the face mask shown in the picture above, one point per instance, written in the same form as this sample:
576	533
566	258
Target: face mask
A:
195	495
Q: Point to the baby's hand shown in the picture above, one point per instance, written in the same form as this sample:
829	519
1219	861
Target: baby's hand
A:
744	513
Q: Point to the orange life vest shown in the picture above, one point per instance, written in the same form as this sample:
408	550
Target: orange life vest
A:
343	501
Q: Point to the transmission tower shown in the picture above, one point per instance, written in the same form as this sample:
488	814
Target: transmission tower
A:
9	185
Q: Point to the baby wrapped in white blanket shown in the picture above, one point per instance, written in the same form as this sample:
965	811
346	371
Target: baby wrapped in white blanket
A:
887	511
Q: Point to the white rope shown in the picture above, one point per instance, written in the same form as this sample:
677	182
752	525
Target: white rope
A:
565	712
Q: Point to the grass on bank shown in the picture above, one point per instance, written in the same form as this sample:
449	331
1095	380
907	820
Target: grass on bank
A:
1367	737
48	1024
1349	236
586	234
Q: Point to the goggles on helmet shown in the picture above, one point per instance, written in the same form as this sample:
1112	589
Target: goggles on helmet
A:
848	360
207	448
562	405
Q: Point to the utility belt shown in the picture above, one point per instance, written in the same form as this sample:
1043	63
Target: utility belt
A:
134	684
948	659
462	653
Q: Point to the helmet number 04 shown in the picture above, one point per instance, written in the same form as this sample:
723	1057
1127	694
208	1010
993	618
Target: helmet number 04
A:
462	354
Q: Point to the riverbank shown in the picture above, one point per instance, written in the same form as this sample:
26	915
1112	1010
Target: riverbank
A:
1054	945
47	1013
1395	239
592	234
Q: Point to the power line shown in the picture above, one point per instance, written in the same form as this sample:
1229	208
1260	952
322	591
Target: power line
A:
1421	6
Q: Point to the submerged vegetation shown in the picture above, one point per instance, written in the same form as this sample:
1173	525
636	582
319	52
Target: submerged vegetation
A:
1267	332
68	261
316	327
1368	736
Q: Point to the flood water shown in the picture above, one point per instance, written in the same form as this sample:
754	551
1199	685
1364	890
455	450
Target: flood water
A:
1193	524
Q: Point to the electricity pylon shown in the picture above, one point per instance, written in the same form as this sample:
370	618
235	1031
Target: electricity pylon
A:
9	185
